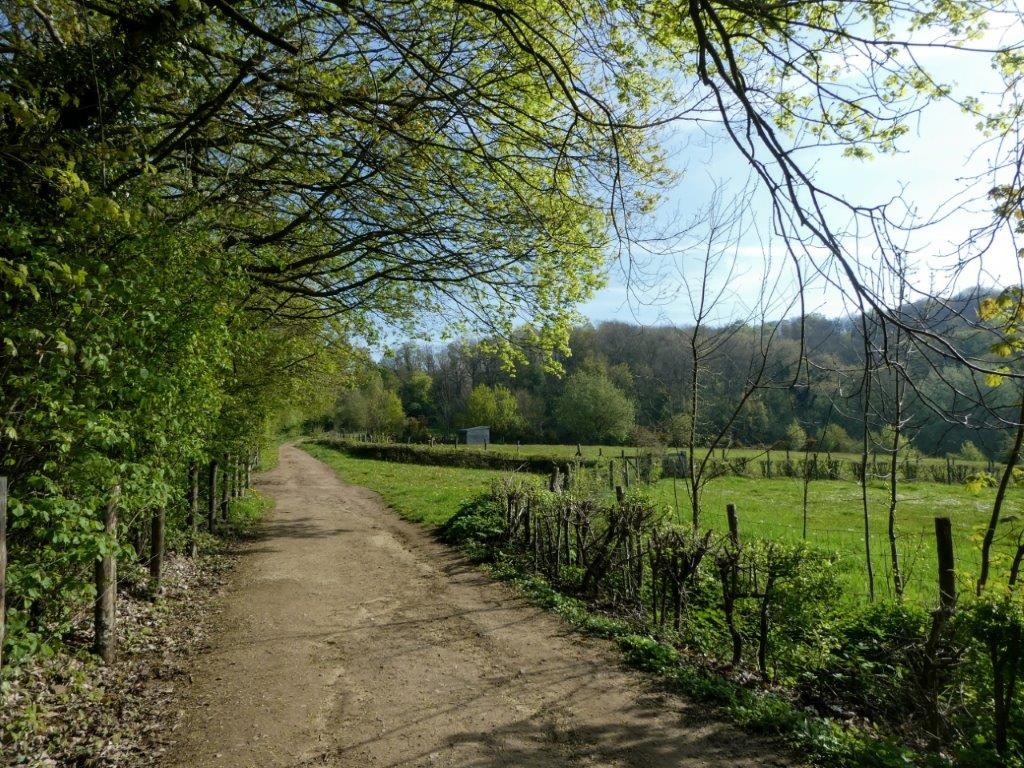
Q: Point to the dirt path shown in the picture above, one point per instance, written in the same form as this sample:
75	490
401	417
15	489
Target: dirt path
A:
351	638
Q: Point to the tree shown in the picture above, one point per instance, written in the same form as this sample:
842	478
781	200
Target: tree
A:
417	394
592	409
835	439
495	407
679	430
796	436
970	452
370	407
351	411
384	412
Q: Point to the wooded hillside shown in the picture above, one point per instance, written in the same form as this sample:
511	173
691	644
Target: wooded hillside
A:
641	380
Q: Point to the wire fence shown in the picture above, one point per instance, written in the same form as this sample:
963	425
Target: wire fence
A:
829	514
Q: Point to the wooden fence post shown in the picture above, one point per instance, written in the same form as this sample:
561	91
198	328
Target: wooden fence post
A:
211	501
611	474
105	615
947	566
3	565
734	524
728	572
192	522
156	548
555	483
933	671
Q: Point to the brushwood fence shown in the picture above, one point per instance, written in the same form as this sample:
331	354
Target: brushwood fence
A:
747	605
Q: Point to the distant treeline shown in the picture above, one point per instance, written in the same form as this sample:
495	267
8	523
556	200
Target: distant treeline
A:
627	384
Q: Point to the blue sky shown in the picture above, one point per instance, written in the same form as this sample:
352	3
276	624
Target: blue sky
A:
934	159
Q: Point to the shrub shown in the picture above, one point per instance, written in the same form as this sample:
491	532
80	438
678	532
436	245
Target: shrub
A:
870	667
970	452
992	631
477	527
836	439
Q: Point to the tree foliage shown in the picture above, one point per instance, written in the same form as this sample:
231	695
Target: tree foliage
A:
592	409
208	205
495	407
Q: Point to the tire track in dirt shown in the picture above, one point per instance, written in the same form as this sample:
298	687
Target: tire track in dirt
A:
349	637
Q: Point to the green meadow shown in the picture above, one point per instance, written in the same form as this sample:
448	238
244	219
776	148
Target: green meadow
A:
770	509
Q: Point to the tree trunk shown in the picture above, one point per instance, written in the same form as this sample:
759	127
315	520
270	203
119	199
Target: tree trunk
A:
156	548
225	490
997	505
211	501
894	554
865	454
934	668
727	573
1018	558
763	625
105	616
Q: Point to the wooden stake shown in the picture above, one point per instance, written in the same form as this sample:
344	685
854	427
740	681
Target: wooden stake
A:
3	564
734	524
947	566
934	673
156	548
192	521
105	617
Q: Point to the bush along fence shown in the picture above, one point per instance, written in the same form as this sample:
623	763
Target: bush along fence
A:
647	465
46	592
450	456
938	687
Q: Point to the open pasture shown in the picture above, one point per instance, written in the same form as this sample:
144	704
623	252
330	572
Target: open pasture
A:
769	509
773	509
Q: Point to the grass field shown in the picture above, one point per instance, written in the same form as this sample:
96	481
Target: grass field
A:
773	509
767	508
423	494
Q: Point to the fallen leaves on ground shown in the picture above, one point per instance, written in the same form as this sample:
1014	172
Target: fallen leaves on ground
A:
71	711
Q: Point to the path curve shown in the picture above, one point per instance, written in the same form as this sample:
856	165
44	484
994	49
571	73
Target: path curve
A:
349	637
